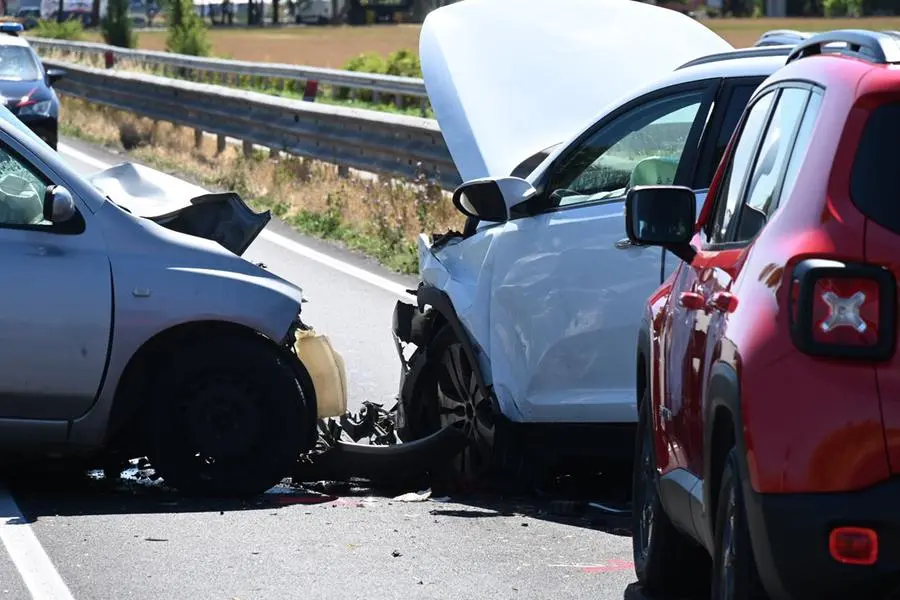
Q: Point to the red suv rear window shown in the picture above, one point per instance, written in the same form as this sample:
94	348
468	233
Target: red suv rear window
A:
875	179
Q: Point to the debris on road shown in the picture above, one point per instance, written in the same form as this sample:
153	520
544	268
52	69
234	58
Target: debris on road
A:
414	496
365	445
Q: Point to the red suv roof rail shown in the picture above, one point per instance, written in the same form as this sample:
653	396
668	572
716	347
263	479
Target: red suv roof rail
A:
880	47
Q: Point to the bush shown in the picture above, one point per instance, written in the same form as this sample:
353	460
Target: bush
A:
187	32
842	8
116	26
402	63
67	30
367	62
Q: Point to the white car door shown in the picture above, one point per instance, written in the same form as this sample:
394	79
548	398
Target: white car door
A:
55	301
568	288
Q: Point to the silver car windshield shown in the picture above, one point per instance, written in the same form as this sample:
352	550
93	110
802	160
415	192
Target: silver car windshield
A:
17	63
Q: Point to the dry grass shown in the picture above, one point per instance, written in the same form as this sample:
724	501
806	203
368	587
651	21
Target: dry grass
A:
743	32
334	46
379	218
312	46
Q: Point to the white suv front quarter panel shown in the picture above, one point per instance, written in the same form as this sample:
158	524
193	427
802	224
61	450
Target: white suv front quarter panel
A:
463	269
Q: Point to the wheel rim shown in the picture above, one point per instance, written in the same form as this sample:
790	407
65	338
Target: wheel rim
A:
462	404
726	573
220	419
645	491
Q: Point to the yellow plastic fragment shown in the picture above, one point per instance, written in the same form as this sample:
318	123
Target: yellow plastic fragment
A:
326	368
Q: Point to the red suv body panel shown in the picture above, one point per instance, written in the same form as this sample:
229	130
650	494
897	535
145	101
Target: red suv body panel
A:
818	437
790	392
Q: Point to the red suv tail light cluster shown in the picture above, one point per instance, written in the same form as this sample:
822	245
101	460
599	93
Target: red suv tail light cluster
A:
843	310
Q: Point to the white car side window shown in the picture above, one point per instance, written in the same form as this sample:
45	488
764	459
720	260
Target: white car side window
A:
642	147
21	193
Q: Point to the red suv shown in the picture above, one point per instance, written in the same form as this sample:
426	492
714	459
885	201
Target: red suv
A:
769	389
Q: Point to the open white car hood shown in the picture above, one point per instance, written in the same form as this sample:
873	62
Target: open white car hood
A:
509	78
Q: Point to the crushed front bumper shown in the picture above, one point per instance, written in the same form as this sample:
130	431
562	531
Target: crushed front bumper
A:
410	325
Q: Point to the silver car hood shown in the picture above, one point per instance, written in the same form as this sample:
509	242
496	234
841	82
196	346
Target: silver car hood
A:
508	78
178	205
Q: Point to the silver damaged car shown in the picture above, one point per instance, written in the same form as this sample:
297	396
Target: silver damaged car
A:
130	325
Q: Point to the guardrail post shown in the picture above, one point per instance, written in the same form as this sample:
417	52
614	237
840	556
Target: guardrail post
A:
220	144
198	138
248	149
310	90
343	171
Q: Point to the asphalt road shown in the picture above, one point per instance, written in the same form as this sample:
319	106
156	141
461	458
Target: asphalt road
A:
97	540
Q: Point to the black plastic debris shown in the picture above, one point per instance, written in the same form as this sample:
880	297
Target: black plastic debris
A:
365	445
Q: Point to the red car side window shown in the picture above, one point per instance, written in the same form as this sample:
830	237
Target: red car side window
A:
729	192
762	193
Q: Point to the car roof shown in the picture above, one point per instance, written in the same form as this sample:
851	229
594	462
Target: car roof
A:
748	62
859	61
741	63
13	40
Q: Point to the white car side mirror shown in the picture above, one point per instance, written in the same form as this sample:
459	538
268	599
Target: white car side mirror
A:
490	199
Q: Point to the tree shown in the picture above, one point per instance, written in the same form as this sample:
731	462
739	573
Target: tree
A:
116	25
187	31
335	12
95	12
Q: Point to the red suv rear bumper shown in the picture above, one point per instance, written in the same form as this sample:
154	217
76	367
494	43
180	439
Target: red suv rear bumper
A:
790	541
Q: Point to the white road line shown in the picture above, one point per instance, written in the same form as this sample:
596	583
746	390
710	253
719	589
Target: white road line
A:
279	240
34	565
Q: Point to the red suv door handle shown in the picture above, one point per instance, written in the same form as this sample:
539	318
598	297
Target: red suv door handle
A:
691	300
725	302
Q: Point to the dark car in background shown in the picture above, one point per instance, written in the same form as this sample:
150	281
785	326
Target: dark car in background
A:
26	85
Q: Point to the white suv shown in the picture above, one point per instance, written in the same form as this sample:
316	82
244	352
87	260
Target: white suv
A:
525	324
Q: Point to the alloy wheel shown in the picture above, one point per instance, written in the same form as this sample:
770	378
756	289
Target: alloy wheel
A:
645	497
462	404
726	575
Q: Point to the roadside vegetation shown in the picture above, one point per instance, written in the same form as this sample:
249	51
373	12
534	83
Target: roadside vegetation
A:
116	26
186	31
378	218
334	46
66	30
403	62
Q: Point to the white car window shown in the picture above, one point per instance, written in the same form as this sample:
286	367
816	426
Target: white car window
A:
641	147
21	193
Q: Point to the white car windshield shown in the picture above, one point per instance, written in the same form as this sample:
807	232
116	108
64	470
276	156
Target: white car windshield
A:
17	63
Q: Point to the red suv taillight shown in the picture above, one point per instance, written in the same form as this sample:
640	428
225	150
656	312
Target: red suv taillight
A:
844	310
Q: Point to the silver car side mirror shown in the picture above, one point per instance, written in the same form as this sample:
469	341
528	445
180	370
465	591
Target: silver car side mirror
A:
59	206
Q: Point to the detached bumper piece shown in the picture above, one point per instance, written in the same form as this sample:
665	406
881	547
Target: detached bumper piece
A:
833	546
387	464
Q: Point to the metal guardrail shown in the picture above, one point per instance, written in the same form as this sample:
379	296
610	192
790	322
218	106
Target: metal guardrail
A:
382	143
399	87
